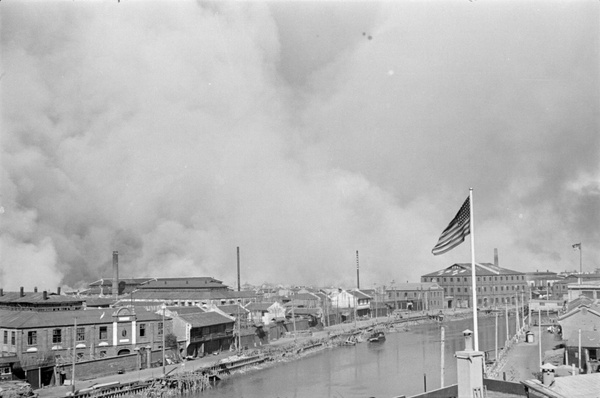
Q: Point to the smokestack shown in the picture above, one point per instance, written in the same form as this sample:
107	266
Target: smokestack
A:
22	292
238	267
357	272
45	295
1	292
58	290
496	257
35	289
115	281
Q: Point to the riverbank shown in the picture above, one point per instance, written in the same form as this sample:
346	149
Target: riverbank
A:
284	349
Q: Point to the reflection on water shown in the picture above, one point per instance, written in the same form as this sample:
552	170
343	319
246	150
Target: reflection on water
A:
401	365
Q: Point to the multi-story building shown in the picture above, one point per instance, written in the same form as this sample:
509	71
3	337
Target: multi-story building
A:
426	296
495	285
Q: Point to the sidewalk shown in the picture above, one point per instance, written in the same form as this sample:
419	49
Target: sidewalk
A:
523	359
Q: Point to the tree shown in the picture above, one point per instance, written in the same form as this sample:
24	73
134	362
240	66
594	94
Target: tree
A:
170	341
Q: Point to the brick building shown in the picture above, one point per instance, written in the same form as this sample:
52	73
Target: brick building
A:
495	285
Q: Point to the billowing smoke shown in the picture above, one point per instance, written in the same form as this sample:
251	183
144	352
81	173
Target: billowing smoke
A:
175	132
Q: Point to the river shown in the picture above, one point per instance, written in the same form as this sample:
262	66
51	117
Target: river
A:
399	366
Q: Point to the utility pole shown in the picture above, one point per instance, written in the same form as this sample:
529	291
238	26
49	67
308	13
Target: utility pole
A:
74	357
164	373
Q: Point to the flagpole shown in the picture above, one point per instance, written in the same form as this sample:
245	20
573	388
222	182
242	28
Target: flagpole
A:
473	273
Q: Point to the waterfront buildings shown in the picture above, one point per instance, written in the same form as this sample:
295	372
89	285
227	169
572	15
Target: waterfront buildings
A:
425	296
495	285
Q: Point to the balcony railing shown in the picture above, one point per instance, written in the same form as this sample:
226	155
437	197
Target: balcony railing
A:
211	336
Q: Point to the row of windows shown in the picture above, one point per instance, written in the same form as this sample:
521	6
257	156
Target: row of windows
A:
415	294
13	337
492	289
57	334
479	278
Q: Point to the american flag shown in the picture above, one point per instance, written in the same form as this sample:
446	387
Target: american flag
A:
455	232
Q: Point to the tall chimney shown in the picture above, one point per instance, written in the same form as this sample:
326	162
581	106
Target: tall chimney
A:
357	273
115	281
35	289
238	267
45	295
496	257
22	292
58	290
1	292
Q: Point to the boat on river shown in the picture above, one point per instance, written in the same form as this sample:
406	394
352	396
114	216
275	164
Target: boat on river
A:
377	336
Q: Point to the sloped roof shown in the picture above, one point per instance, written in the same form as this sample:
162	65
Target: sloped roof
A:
305	311
579	386
99	301
184	283
305	296
258	306
481	269
588	339
190	295
205	319
37	298
232	309
129	281
358	294
583	308
45	319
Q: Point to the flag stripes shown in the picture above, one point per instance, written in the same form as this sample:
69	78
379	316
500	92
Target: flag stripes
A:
455	232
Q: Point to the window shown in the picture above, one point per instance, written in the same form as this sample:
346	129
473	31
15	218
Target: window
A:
465	279
6	337
124	333
103	333
444	279
512	278
500	278
451	290
80	334
478	279
495	278
32	338
13	338
458	290
485	289
451	279
102	354
160	328
57	336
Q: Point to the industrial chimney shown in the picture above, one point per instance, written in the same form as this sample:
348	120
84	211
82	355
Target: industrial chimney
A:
115	281
496	257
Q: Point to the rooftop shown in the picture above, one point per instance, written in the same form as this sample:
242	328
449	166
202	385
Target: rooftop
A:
481	269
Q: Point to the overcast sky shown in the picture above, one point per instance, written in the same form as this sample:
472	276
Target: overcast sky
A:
301	132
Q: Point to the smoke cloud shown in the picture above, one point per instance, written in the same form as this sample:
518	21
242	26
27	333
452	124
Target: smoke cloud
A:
174	132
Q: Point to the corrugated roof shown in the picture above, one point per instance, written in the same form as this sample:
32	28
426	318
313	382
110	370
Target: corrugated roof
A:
184	283
45	319
190	295
205	319
37	298
259	306
578	386
232	309
481	269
